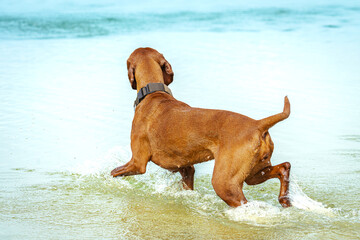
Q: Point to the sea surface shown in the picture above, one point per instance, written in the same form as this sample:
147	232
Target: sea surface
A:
66	108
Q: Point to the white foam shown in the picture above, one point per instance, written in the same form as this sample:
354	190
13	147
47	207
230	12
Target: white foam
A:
258	213
300	200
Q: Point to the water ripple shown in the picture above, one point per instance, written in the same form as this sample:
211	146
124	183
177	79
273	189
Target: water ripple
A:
80	25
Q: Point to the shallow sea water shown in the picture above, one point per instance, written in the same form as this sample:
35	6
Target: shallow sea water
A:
66	112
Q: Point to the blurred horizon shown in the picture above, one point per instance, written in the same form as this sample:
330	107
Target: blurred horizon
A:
157	6
67	19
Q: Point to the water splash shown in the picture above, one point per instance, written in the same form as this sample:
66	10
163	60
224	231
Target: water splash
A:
301	201
158	182
257	213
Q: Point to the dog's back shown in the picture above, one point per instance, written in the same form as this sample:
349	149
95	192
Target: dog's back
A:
176	136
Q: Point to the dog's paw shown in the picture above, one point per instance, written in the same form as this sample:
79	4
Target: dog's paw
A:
285	201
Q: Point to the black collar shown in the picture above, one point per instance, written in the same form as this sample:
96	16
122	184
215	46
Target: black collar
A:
150	88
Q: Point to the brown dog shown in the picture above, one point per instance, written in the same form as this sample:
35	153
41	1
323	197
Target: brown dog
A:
176	136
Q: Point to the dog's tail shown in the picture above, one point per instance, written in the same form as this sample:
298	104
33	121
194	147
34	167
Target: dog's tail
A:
266	123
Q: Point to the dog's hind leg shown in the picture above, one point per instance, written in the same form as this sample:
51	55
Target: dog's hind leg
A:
282	172
229	190
228	178
187	174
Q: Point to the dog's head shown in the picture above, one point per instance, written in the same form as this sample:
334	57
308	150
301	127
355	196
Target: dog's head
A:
141	53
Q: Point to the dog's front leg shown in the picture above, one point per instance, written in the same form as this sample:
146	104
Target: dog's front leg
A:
137	164
131	168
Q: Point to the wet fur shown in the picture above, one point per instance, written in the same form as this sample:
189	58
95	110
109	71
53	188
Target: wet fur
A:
176	136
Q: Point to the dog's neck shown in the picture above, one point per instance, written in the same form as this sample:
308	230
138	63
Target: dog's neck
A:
145	83
148	72
149	79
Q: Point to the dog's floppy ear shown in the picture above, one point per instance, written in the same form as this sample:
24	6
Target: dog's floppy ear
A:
168	73
131	74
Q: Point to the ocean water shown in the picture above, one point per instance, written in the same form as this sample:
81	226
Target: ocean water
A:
66	112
